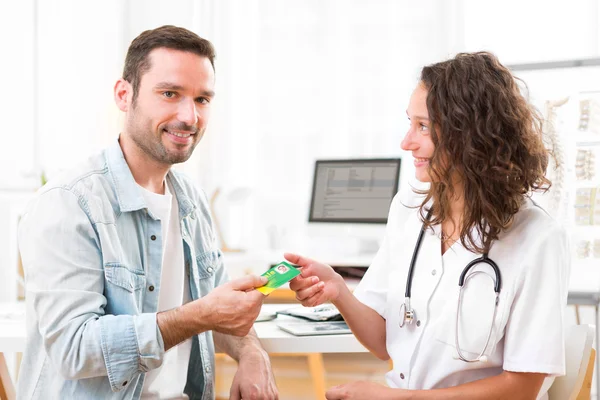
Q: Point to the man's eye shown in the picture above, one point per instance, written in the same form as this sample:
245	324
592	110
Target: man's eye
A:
202	100
168	94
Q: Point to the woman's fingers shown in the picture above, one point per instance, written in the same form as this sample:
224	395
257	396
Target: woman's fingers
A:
309	292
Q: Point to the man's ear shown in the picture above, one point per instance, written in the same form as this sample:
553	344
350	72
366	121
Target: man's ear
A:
123	93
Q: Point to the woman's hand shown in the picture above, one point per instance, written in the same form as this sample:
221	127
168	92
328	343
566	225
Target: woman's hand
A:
318	282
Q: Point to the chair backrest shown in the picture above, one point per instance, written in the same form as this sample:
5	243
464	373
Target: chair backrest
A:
580	358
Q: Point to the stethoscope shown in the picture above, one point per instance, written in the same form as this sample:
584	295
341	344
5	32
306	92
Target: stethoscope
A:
408	315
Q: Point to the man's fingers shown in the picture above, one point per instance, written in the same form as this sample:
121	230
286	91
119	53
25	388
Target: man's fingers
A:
255	296
334	393
234	393
248	282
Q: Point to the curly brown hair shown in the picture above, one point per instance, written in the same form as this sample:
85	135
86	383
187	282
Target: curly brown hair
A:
486	133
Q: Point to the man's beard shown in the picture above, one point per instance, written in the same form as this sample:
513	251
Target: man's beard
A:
150	142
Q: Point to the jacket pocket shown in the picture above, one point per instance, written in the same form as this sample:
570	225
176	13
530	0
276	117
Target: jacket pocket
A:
119	275
208	263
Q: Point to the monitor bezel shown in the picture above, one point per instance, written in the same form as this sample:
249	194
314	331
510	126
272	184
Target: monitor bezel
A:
398	162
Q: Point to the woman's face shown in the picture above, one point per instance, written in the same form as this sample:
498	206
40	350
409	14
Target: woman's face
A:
418	139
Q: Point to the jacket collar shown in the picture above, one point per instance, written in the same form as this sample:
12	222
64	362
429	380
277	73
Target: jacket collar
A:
128	193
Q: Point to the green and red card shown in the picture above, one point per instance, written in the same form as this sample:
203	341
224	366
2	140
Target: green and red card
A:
277	276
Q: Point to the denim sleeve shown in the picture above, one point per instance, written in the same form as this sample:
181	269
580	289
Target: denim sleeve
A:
64	270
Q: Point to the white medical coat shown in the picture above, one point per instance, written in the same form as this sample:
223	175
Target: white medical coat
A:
527	336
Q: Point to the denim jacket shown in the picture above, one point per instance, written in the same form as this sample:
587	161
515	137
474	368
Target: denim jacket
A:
92	254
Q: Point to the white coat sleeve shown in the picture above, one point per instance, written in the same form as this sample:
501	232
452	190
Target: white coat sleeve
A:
534	337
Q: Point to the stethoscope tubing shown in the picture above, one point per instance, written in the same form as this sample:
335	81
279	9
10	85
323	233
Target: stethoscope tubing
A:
408	314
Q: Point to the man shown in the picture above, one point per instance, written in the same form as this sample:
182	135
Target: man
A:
125	285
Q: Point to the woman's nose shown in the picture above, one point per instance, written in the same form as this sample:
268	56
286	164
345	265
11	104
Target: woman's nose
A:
408	143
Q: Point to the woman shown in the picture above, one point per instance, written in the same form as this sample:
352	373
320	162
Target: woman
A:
479	144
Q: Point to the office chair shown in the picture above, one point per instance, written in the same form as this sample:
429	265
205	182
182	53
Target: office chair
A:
576	384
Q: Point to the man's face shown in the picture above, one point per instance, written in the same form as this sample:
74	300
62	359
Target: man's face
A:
170	114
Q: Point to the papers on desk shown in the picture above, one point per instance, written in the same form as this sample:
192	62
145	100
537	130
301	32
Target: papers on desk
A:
311	324
325	312
266	315
315	328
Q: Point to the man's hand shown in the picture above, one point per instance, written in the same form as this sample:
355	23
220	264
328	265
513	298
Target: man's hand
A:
360	391
233	307
318	282
254	378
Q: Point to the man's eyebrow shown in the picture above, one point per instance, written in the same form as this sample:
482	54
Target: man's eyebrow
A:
168	85
174	86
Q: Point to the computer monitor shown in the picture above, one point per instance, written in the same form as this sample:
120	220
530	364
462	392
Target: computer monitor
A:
354	191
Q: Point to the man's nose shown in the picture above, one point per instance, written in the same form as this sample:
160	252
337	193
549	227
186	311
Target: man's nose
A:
188	112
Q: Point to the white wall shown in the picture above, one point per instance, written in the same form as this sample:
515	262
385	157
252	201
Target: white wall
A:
297	80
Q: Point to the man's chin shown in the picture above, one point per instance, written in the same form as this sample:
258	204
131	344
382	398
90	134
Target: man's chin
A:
178	158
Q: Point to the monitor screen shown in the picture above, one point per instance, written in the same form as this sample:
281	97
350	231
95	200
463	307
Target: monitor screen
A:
351	191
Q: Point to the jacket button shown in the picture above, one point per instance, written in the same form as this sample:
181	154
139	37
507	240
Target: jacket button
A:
419	323
401	376
151	288
207	369
125	383
153	237
209	269
433	272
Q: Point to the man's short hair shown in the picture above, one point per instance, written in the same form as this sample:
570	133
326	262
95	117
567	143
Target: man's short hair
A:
171	37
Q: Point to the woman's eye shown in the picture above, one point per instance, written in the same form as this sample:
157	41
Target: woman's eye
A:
423	127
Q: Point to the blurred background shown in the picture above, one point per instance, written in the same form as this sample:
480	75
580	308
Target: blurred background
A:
297	80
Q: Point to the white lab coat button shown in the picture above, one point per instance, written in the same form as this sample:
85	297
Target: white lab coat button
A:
419	323
433	272
401	376
207	369
210	270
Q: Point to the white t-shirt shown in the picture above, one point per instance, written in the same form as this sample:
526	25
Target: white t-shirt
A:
527	336
168	381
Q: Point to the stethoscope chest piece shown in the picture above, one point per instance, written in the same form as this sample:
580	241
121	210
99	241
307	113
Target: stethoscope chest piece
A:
407	313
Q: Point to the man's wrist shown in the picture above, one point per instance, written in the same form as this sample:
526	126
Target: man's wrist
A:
199	315
253	350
